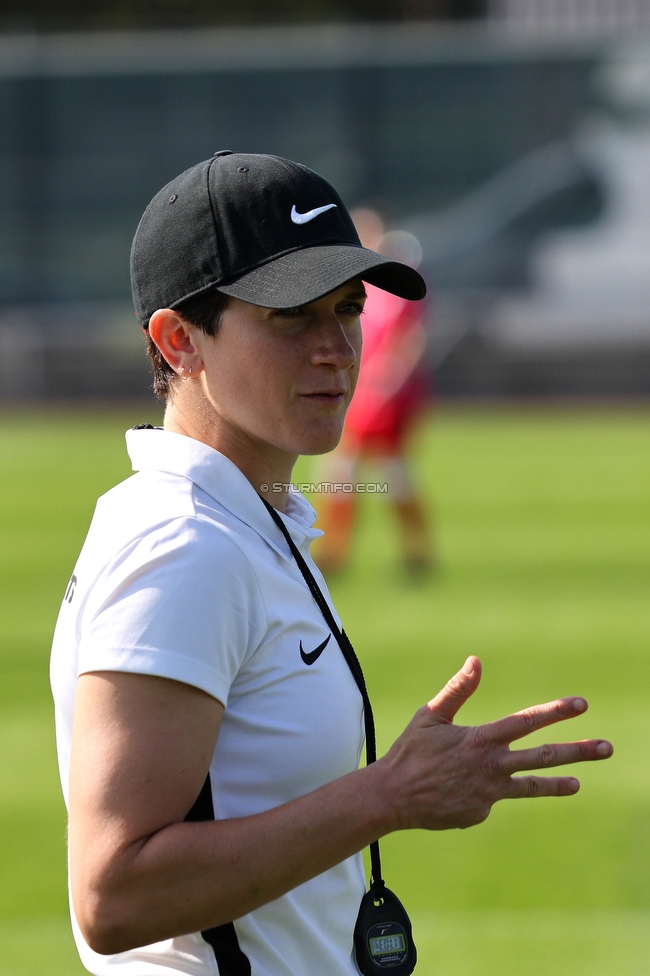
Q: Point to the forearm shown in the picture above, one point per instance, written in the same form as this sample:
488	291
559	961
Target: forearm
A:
141	874
187	877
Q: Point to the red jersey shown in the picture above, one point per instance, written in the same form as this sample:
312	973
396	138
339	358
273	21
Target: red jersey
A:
390	389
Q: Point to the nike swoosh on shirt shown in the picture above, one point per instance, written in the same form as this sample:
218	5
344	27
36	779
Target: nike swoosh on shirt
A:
310	656
299	218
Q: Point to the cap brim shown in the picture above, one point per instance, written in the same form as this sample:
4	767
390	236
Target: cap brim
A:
303	276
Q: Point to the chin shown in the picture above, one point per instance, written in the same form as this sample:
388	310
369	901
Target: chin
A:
320	443
323	448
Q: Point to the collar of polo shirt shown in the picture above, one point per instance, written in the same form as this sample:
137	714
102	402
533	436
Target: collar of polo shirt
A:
162	450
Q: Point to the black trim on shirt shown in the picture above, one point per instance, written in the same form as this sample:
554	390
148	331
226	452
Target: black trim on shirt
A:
223	938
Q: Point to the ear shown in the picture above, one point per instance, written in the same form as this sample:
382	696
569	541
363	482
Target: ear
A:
174	337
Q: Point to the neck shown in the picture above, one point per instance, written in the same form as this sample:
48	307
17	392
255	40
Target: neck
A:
264	465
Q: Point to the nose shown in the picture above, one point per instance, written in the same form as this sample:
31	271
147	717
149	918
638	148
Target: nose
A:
335	344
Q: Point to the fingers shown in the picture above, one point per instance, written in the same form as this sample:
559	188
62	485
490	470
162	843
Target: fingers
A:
530	719
558	754
457	690
551	755
519	787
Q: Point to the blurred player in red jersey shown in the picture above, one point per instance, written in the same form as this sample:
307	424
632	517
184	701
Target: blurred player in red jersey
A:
389	397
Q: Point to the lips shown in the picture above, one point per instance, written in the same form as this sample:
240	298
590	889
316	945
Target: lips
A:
331	393
326	399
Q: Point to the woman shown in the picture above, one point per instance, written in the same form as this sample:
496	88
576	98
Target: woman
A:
193	672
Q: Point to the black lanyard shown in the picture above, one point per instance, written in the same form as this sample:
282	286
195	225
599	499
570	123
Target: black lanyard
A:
353	663
383	939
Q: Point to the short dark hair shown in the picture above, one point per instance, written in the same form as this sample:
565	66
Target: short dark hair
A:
203	312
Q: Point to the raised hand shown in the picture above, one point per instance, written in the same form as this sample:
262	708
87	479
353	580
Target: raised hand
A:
450	775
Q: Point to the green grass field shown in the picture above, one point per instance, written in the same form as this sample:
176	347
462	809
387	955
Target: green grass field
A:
543	526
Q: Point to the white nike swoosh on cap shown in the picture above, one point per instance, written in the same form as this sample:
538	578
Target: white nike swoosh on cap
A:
299	218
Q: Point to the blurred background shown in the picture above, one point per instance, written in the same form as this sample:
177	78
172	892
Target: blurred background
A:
511	139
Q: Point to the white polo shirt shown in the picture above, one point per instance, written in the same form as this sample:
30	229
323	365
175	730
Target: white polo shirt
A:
184	575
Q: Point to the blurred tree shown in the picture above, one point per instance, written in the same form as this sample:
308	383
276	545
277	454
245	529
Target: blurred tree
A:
120	14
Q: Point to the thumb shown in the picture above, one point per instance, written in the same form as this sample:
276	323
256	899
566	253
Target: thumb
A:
456	692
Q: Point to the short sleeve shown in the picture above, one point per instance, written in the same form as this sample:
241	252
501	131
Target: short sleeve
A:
181	602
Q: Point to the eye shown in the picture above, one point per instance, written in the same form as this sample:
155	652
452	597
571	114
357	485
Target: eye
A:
289	313
351	308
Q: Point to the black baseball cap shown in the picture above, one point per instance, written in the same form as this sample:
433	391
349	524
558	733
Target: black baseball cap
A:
260	228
